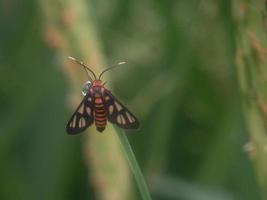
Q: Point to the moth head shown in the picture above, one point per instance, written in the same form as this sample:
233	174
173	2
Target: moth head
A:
97	82
86	87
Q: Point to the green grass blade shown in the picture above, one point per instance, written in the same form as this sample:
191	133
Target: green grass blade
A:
139	178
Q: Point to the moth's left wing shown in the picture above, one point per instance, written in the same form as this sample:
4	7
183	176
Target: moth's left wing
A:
117	113
82	117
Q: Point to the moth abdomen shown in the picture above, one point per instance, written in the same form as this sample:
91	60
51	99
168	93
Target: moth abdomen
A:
100	114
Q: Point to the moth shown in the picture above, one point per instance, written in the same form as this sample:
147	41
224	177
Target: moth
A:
99	106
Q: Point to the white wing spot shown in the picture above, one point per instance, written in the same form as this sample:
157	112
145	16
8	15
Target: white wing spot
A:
81	109
107	98
84	122
110	109
81	122
118	106
74	121
89	99
123	119
119	119
71	124
131	119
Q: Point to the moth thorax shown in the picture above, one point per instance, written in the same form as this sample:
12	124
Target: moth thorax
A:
86	87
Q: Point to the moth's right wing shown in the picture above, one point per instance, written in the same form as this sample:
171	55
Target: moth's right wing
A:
117	113
82	117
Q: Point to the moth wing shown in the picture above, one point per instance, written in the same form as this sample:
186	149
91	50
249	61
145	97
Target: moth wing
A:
82	117
117	113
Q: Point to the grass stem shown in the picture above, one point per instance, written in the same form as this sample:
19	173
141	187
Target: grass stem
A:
139	178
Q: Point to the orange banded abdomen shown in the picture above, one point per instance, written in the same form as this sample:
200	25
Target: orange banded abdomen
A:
100	114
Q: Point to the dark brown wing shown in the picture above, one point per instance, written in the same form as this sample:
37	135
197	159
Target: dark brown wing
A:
82	117
117	113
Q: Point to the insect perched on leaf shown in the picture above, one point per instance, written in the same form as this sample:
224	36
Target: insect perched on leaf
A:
99	106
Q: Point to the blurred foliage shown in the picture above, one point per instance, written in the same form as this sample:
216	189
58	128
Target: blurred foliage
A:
180	79
251	63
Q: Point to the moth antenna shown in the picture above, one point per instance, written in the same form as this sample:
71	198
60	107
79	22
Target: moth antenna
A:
85	67
111	67
90	79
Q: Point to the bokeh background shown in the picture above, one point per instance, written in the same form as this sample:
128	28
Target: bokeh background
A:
180	80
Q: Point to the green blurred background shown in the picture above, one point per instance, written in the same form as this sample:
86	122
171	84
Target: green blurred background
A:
180	80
